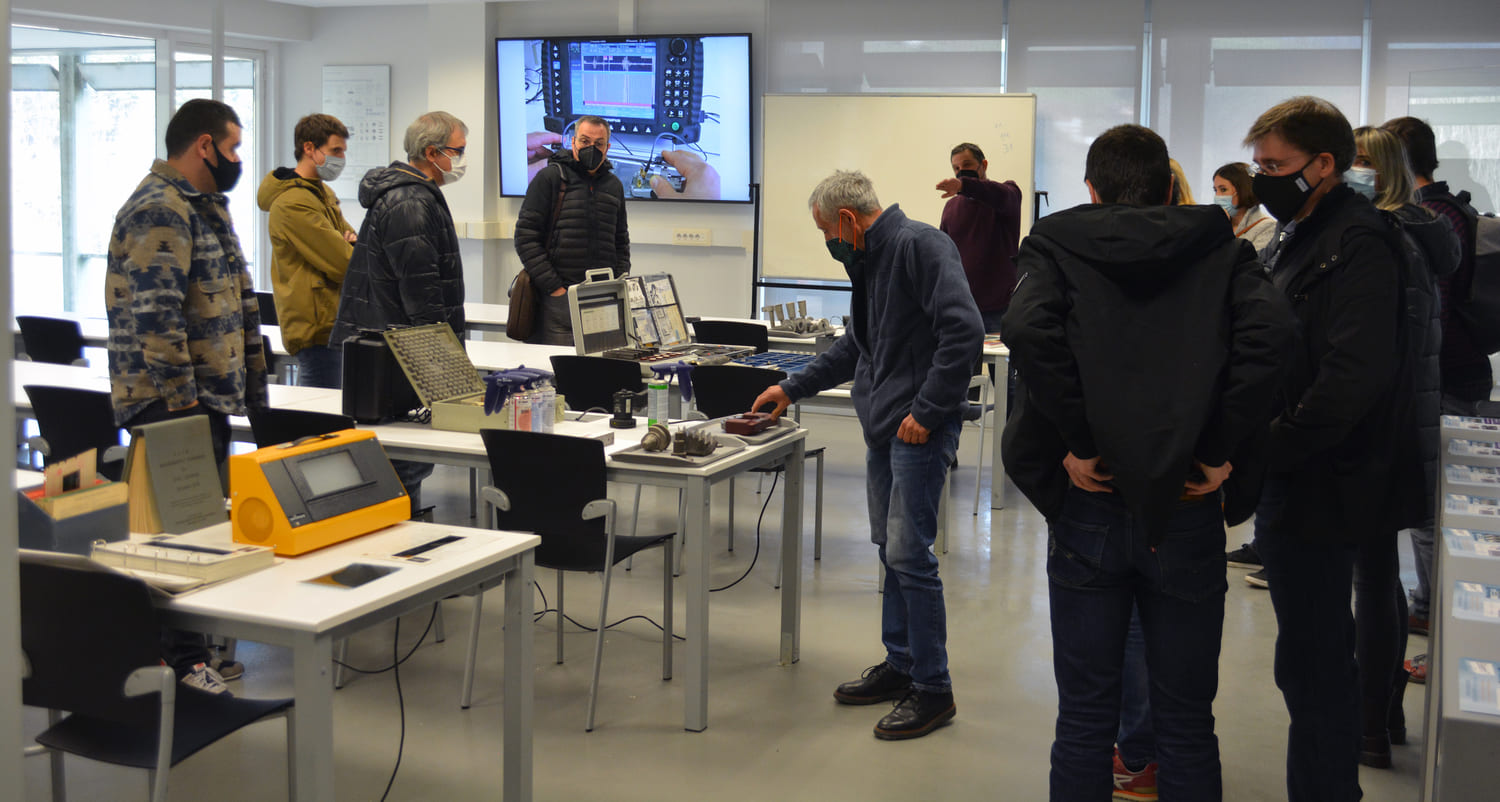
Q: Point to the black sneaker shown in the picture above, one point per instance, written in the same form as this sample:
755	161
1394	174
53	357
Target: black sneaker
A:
1258	580
918	713
878	684
1244	557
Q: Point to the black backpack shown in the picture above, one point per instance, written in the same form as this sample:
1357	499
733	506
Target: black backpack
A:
1478	304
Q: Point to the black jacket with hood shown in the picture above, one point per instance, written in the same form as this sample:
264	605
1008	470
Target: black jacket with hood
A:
406	269
1148	337
590	232
1345	436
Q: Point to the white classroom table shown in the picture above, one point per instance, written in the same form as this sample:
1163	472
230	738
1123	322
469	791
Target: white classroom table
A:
278	606
485	317
422	443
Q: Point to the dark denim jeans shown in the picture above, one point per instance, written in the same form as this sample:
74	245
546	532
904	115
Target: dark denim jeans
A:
320	366
1136	739
1310	585
904	485
1100	568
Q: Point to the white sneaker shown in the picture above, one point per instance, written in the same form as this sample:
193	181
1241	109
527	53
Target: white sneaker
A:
206	679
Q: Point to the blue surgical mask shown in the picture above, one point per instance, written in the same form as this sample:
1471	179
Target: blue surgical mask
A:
1226	202
1361	180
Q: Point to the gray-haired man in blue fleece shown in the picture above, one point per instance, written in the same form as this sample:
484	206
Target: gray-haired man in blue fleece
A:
910	349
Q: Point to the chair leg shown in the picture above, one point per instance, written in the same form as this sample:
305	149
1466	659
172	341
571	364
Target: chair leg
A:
291	753
731	513
227	652
984	397
473	493
598	650
561	619
340	656
635	520
468	693
818	512
55	761
666	614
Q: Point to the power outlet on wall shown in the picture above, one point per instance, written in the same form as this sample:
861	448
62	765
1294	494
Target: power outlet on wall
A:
692	236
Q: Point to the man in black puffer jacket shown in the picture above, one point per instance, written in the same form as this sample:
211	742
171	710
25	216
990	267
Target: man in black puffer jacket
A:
406	269
572	221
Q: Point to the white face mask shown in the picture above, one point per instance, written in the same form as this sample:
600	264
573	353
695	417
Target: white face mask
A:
1361	180
331	168
457	166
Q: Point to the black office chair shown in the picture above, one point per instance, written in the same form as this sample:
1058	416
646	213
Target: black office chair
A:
53	340
267	303
724	390
274	426
733	332
72	421
555	486
590	382
125	707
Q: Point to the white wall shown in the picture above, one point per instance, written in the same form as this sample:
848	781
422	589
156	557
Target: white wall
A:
441	57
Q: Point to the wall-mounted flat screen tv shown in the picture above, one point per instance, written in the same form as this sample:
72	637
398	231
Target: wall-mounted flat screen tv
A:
678	108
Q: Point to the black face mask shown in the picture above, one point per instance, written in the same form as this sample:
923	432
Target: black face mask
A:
967	173
1284	195
590	158
226	174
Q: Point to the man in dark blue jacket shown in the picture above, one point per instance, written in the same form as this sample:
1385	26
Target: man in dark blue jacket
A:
1148	344
910	349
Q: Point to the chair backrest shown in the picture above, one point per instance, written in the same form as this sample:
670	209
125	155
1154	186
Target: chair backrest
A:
267	302
83	631
723	390
733	332
275	426
549	479
590	382
50	339
73	421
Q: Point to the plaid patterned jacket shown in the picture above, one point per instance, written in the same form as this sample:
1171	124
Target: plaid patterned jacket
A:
184	324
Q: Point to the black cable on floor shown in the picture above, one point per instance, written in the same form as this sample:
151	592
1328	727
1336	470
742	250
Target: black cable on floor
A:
586	628
774	478
430	619
400	699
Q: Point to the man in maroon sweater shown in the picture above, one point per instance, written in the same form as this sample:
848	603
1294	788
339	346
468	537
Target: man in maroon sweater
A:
984	219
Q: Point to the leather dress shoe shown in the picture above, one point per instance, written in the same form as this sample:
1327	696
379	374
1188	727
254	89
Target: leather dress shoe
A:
918	713
878	684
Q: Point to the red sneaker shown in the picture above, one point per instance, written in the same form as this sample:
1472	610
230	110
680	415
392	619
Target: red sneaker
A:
1134	786
1417	668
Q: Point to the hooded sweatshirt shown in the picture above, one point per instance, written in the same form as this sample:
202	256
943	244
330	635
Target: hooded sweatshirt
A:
308	255
1146	336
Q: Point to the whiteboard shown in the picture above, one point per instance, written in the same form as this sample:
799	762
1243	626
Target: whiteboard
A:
901	142
360	97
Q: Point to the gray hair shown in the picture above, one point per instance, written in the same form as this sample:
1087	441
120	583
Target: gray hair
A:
431	130
845	189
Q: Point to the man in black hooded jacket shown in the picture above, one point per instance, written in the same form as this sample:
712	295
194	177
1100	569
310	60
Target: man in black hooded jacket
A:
1148	344
572	221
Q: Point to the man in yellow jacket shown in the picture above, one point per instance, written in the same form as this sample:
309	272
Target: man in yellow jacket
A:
310	247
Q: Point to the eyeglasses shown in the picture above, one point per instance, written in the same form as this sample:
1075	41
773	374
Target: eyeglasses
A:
1274	168
454	151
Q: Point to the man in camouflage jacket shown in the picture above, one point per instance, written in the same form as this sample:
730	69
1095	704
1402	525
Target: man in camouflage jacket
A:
184	325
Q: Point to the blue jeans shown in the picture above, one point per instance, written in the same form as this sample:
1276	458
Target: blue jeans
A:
904	486
1310	583
1100	567
320	366
1136	739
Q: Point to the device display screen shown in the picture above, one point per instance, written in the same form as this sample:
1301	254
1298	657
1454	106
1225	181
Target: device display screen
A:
330	473
677	105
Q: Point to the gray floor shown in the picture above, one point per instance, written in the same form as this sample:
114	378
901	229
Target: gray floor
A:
774	732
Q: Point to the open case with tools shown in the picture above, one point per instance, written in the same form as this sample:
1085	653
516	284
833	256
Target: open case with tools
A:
639	319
